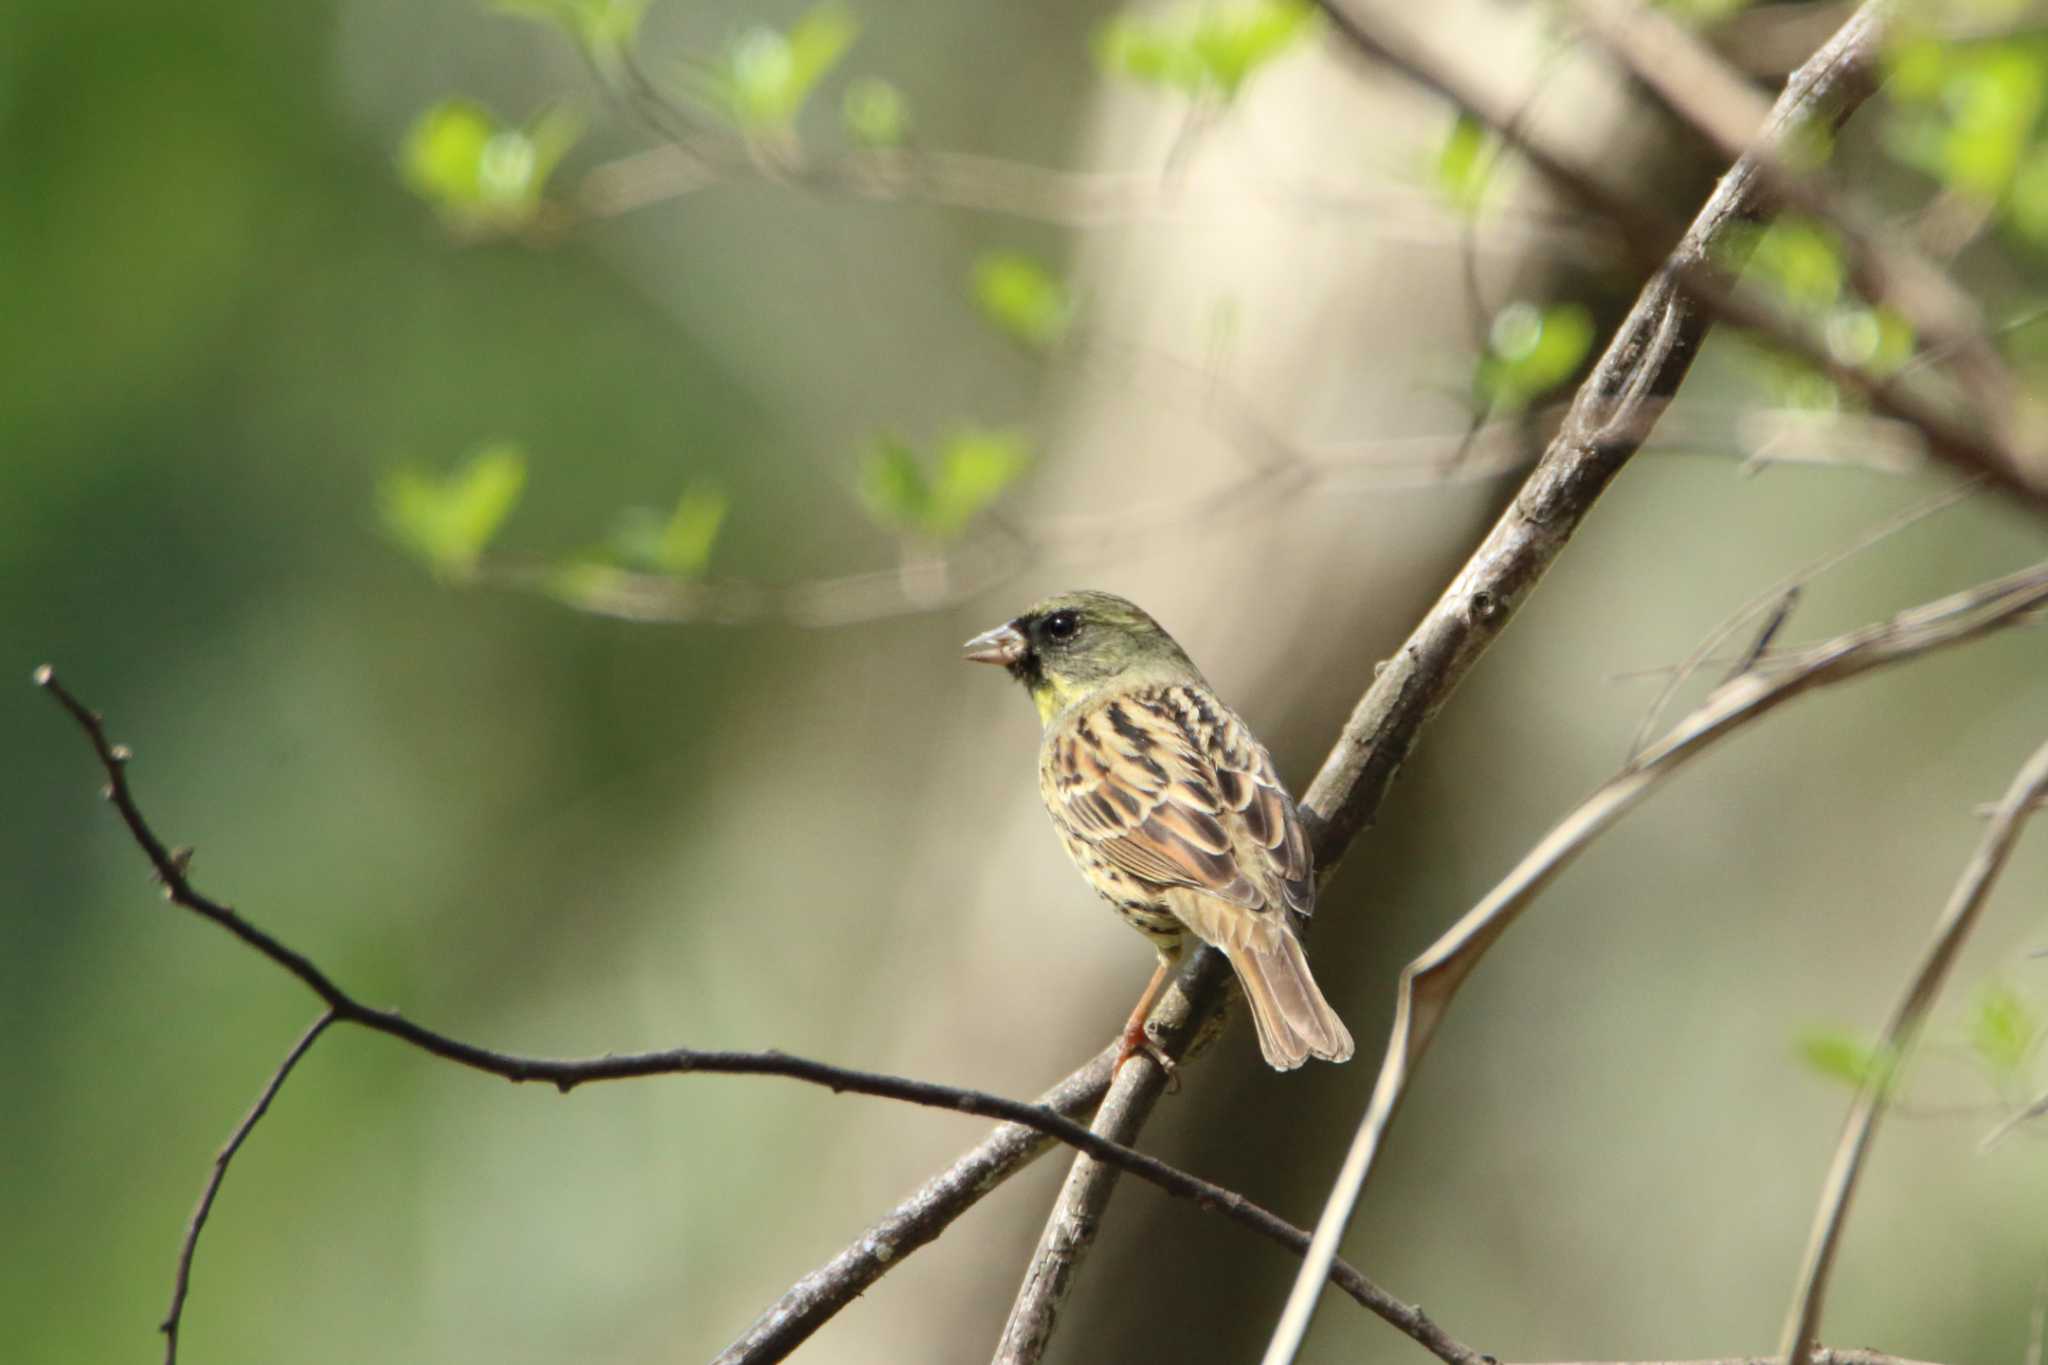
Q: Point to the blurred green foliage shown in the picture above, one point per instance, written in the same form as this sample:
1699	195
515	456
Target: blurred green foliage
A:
2004	1032
448	520
1800	263
1530	351
876	113
1842	1057
679	543
1464	164
766	75
1022	298
1965	113
481	175
1206	50
972	470
605	29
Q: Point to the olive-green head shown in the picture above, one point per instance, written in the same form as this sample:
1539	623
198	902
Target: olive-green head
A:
1077	645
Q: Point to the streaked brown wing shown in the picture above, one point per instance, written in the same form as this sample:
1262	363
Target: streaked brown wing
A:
1172	788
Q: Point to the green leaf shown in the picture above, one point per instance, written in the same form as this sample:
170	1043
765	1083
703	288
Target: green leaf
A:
679	543
817	43
1022	298
1800	261
1234	41
1531	351
1836	1055
479	174
443	150
1146	53
2026	205
767	76
975	466
448	520
692	531
1874	339
1208	49
606	29
2002	1031
893	486
1965	112
1465	162
875	113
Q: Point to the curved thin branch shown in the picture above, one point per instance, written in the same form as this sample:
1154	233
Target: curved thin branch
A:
1778	592
1080	200
1429	983
188	1246
567	1074
1958	917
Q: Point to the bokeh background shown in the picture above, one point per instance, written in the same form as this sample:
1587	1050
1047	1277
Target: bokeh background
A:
227	319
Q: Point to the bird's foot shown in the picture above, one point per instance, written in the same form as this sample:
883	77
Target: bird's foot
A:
1137	1043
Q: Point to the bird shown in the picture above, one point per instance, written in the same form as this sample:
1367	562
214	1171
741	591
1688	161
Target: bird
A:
1171	809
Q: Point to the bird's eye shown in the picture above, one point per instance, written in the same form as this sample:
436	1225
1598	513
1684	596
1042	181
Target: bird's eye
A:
1061	625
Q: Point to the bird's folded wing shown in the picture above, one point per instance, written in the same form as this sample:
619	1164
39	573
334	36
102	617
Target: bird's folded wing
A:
1173	789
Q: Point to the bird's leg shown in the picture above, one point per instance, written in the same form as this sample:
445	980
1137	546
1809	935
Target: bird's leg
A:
1135	1039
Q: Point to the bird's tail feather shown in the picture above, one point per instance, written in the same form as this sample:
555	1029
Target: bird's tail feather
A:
1293	1020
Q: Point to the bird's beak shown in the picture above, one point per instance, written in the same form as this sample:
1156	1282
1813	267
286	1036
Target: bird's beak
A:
1003	645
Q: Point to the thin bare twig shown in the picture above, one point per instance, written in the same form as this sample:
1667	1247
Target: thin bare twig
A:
1958	918
1429	983
567	1074
188	1246
1793	582
1079	200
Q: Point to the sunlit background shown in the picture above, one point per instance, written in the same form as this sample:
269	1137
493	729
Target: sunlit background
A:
278	345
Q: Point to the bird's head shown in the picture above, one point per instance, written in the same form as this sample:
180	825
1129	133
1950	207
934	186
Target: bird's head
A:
1078	645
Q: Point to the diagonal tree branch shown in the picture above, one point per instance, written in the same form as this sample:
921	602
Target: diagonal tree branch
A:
188	1246
1431	981
567	1074
1859	1131
1608	422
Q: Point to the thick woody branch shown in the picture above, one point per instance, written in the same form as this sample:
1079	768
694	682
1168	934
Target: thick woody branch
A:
1609	420
1958	917
567	1074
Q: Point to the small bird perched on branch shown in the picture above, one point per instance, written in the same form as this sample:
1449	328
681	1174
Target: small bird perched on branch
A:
1171	809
